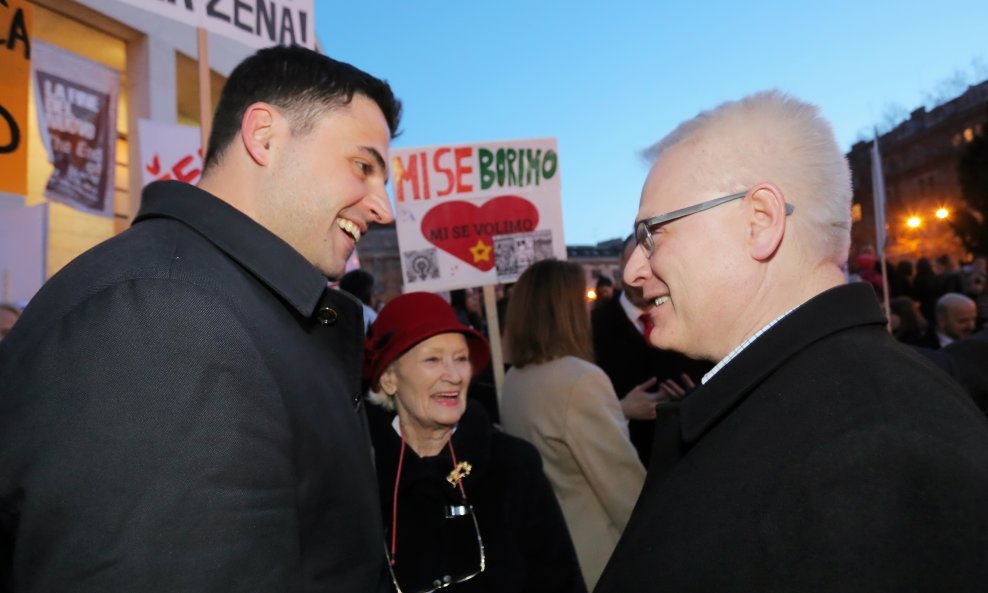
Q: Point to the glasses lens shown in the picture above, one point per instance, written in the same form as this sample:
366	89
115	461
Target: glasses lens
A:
644	238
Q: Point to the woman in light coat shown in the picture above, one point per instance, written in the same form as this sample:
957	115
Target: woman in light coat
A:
562	403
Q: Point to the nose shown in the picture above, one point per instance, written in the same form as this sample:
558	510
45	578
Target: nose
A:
380	207
637	268
452	372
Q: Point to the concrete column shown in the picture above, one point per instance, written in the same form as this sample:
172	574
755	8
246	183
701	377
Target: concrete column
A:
153	95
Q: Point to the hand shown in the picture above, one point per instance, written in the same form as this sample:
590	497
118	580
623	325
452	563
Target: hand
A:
670	390
639	404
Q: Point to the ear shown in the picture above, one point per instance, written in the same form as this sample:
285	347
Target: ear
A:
766	222
389	381
256	130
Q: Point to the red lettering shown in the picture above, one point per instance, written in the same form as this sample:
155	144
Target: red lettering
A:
425	174
458	155
406	173
440	169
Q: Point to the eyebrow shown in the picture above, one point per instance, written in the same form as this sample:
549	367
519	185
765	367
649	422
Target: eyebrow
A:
378	158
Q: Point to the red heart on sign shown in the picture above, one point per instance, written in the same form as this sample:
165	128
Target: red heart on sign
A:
466	231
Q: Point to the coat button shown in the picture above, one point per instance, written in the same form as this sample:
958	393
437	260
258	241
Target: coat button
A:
327	315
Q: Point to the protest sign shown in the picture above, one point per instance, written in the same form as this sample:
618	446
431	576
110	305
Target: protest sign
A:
476	214
169	151
15	63
255	23
77	116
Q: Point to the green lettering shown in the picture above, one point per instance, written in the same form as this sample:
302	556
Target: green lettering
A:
485	158
511	157
549	164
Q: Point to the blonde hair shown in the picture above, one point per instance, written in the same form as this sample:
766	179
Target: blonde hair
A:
547	316
776	138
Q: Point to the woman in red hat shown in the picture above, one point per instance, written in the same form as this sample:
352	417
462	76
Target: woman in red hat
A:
465	506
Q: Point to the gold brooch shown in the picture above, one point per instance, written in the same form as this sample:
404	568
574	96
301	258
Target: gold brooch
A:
460	471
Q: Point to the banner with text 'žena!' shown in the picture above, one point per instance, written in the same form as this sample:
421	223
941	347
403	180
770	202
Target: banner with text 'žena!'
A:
475	214
254	23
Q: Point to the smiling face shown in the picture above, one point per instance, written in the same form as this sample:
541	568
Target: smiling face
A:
327	185
430	383
694	276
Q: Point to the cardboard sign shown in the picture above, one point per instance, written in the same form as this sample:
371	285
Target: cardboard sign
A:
476	214
15	64
77	117
169	151
255	23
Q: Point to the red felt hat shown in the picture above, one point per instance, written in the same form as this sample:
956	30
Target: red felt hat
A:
409	319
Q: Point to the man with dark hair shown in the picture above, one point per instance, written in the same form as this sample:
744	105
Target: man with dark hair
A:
180	405
604	289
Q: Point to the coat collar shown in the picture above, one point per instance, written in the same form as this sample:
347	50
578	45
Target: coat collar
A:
471	441
268	257
829	312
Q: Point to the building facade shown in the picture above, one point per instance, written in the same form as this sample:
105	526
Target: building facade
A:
919	158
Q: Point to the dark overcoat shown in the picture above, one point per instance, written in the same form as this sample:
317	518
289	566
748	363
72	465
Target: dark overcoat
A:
825	457
527	546
179	412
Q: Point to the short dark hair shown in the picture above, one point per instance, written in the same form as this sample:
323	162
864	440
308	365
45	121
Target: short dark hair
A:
301	82
359	283
603	280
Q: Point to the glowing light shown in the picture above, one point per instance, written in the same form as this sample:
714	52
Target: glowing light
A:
943	213
913	222
591	295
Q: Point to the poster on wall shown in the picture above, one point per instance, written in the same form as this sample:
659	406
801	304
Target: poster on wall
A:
257	24
15	64
77	115
476	214
169	151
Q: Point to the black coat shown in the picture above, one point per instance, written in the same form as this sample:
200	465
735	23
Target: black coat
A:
177	413
628	360
825	457
527	545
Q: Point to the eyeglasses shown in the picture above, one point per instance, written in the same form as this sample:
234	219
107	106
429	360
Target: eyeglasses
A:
445	581
646	228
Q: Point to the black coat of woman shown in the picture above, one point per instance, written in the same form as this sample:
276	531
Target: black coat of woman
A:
526	544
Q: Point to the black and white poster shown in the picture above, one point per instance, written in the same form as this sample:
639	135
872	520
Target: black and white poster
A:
77	115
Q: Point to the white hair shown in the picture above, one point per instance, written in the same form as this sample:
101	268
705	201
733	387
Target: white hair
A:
776	138
379	398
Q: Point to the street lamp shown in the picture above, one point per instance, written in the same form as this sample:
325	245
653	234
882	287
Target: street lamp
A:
913	222
942	213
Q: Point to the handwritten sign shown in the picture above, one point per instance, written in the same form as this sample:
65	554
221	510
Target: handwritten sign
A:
169	151
255	23
476	214
15	64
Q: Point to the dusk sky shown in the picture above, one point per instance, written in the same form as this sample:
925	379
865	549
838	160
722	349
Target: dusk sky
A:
609	79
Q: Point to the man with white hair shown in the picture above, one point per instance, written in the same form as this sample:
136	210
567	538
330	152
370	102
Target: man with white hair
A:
818	454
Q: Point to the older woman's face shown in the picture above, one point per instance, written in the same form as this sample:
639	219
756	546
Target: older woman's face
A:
431	380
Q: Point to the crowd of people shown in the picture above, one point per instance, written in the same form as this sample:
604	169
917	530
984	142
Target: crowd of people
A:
191	406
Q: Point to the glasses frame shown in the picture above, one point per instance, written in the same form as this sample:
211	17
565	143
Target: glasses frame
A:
644	229
449	583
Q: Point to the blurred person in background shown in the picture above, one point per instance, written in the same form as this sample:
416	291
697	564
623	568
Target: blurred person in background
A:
558	400
8	316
